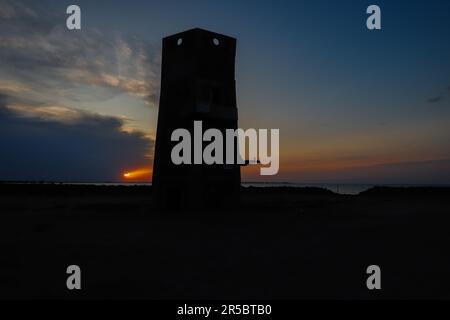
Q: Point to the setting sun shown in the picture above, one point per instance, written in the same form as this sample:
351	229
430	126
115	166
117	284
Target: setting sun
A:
138	174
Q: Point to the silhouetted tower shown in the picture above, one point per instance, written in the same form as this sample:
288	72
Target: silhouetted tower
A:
197	83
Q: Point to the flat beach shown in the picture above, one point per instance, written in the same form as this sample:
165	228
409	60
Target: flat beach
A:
278	243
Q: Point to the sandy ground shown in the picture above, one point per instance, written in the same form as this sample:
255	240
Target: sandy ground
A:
279	244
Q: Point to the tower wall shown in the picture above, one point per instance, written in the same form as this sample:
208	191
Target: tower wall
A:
197	84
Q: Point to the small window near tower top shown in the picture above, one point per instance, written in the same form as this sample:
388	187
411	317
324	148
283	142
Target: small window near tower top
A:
180	42
216	41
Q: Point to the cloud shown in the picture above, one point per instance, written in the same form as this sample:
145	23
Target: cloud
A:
7	11
10	10
38	51
63	144
44	69
439	98
436	99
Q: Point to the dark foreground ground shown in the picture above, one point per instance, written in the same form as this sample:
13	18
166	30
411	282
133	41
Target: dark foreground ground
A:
280	243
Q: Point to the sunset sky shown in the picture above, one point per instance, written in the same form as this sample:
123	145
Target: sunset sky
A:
352	105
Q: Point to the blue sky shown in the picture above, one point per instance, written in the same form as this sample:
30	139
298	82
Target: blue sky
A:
343	97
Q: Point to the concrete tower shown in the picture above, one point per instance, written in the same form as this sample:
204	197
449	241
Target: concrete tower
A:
197	84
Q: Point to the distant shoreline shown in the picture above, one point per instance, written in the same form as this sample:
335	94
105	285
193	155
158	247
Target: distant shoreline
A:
339	189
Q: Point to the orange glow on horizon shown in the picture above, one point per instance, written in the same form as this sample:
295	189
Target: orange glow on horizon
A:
144	174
